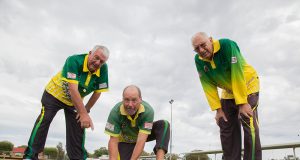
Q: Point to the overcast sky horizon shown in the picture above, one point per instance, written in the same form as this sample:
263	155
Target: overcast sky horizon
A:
150	47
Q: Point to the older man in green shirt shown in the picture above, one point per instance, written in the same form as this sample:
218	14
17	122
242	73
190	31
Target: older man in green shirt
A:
130	124
81	75
220	64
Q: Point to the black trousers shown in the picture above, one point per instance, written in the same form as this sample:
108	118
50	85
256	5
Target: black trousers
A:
230	131
160	132
74	133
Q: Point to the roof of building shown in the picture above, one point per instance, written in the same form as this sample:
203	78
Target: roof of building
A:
18	150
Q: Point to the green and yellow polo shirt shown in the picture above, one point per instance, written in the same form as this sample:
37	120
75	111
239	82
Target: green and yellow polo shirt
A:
76	71
122	125
229	71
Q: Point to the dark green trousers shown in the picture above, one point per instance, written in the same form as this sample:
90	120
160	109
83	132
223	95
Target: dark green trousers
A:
160	132
74	133
230	131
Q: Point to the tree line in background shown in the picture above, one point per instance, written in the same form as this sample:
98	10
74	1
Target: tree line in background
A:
59	153
52	152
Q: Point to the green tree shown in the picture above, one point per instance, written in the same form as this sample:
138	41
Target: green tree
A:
175	156
6	146
22	146
100	152
196	157
51	152
61	152
90	155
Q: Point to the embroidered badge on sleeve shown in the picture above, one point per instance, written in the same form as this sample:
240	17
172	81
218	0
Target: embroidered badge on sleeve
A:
71	75
233	60
148	125
102	85
110	126
199	73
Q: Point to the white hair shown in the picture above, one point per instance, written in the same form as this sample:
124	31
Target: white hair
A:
105	51
199	34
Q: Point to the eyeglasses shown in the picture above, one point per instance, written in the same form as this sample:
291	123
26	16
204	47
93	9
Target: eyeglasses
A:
97	58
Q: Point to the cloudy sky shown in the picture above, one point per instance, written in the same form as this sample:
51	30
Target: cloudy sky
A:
150	47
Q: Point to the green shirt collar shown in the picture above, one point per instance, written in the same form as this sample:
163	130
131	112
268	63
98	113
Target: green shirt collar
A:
133	121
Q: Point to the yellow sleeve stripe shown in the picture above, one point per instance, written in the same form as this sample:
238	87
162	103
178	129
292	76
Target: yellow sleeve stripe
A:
70	81
111	134
101	90
144	131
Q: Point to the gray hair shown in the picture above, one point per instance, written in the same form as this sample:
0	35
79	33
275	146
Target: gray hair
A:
201	34
105	51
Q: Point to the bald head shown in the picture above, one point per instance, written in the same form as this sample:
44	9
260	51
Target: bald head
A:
132	88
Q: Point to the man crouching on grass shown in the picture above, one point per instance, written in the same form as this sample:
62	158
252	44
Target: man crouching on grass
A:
130	125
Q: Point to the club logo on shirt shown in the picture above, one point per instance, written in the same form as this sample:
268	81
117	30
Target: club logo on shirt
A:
65	88
148	125
123	125
206	69
233	60
102	85
128	139
71	75
110	126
